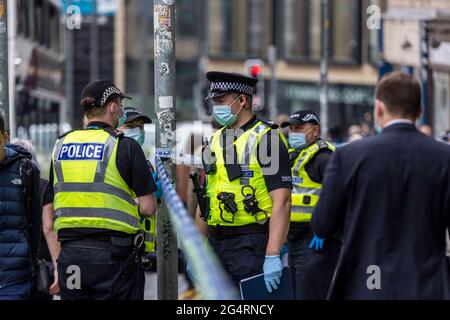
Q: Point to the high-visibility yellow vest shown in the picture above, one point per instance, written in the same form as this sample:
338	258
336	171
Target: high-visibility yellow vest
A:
305	192
89	190
148	226
218	182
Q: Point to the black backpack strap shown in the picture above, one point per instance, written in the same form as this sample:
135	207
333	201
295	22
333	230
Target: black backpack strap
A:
27	176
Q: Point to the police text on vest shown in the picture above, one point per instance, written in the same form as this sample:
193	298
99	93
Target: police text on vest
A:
81	151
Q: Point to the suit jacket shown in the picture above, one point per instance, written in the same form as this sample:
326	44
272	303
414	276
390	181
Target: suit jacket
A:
389	195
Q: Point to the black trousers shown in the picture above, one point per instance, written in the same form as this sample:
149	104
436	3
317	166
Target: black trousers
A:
312	271
242	255
104	274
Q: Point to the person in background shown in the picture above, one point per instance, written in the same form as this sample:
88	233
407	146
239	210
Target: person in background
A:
20	219
354	133
312	263
281	118
389	195
102	188
247	238
49	247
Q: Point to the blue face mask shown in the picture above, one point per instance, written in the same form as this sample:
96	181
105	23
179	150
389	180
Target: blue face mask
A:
136	134
223	114
297	140
121	119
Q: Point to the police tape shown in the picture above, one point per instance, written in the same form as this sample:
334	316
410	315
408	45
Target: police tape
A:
211	279
180	159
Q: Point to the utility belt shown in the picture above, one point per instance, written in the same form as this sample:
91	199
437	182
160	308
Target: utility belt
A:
226	231
135	244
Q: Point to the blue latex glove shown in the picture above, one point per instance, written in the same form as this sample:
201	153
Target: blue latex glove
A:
316	243
158	192
272	272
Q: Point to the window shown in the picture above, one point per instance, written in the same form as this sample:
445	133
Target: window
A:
345	32
54	29
239	28
23	25
301	36
39	23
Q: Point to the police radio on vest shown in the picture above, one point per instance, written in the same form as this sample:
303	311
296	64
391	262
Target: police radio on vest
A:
82	151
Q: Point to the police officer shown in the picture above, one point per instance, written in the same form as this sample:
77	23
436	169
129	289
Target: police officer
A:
134	128
312	263
102	187
248	186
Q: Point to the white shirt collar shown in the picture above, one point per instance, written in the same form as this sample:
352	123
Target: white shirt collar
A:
397	121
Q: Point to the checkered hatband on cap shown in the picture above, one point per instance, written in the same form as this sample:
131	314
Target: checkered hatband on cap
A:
232	86
107	93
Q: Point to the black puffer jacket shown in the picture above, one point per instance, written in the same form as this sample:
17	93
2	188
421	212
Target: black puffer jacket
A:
19	230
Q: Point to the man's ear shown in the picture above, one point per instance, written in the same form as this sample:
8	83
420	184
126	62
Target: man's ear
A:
317	131
380	109
245	100
111	107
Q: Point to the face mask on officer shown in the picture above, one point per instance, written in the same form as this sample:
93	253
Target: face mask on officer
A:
121	118
137	134
223	114
298	140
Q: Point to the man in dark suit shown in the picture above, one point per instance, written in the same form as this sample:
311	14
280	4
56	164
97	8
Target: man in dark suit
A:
389	195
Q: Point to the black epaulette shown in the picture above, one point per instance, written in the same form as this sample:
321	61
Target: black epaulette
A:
271	124
114	132
66	133
322	144
294	154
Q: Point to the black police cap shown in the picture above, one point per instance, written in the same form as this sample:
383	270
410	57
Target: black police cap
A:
101	91
223	83
134	114
302	117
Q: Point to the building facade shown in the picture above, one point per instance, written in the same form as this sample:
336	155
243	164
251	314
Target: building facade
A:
416	40
240	30
38	71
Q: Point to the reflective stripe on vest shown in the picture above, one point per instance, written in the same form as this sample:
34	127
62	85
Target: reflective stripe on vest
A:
305	192
94	187
97	213
89	191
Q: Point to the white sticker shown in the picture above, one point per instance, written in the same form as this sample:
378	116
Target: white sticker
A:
169	2
166	102
165	116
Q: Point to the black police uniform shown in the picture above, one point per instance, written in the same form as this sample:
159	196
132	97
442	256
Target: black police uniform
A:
242	249
311	270
110	256
107	254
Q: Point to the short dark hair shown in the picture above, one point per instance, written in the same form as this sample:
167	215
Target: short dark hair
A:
401	94
90	111
2	124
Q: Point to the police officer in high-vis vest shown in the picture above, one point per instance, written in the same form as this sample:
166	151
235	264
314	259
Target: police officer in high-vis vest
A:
102	187
134	128
248	187
312	260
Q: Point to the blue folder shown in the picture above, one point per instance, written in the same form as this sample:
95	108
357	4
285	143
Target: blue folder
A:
254	288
